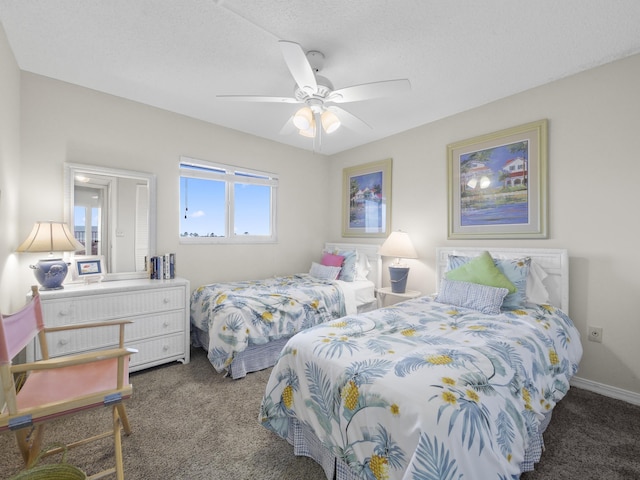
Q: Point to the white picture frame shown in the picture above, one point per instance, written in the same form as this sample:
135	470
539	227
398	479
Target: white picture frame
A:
89	268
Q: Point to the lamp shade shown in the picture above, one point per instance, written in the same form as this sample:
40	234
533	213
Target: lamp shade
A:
399	245
50	237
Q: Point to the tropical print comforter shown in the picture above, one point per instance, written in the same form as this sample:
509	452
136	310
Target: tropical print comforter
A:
239	314
425	390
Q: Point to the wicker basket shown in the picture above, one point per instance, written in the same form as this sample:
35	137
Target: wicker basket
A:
53	471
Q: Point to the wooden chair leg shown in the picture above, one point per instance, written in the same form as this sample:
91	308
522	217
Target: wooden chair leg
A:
117	440
124	418
30	442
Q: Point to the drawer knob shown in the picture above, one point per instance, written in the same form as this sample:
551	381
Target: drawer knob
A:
62	341
165	324
165	348
165	300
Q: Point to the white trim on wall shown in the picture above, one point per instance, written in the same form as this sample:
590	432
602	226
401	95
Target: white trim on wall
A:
606	390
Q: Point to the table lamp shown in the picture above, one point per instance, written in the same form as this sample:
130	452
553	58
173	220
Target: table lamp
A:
398	245
50	237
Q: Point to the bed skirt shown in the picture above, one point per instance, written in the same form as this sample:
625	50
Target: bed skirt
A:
254	358
305	443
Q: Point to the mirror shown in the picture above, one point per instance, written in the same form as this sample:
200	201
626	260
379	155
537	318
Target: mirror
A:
113	213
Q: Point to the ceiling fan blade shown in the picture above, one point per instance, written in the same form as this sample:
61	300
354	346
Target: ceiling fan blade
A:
257	98
348	119
299	66
288	127
366	91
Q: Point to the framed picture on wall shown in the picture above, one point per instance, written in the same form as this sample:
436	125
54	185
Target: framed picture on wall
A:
366	200
498	184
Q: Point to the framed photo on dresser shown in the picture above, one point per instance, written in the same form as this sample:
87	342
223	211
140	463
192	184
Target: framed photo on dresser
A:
88	268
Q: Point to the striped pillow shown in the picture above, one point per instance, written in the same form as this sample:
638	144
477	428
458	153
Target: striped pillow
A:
482	298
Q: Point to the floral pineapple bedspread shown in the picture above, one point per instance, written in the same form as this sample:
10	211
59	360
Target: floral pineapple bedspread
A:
254	312
425	390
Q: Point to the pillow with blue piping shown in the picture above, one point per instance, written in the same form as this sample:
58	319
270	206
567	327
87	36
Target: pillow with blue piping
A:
324	272
475	296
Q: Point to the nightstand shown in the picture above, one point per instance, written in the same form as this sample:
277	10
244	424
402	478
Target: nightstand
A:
382	294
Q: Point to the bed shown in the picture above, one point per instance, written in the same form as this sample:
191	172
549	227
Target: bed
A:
429	388
244	325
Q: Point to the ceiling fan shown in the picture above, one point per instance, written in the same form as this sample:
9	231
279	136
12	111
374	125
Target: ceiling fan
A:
317	94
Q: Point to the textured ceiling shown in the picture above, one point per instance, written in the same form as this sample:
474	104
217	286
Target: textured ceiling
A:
179	54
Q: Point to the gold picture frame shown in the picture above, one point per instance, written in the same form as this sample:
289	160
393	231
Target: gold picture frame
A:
498	184
366	200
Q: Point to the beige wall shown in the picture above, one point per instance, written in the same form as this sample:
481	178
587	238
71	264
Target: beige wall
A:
594	168
63	122
9	174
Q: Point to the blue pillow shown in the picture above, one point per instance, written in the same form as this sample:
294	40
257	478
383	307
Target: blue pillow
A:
515	269
482	298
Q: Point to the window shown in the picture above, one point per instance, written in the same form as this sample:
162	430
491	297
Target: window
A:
226	204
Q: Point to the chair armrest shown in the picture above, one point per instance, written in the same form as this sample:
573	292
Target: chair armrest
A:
86	325
71	360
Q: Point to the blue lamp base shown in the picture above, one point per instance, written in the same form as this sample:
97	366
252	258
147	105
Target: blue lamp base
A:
50	273
398	277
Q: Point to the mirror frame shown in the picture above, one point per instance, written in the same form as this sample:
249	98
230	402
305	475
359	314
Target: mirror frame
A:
73	169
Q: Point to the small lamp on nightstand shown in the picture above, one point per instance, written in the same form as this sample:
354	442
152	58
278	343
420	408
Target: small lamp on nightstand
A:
50	237
398	245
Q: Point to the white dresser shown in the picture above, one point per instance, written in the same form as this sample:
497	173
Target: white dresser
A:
159	310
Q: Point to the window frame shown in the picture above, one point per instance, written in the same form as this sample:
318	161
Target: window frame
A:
230	175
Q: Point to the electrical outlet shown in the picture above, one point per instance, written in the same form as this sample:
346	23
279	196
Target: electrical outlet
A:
595	334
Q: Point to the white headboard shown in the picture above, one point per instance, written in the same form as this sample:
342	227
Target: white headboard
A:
555	263
370	251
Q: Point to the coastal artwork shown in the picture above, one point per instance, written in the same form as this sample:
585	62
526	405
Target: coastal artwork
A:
498	184
366	200
494	185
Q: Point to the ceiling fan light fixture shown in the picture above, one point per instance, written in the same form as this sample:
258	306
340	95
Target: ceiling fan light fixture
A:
303	118
330	121
309	132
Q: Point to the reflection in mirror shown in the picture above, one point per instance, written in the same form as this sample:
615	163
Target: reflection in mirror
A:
113	215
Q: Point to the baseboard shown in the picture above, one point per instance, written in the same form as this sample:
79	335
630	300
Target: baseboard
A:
606	390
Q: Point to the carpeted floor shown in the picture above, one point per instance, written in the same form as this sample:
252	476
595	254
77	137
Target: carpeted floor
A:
191	423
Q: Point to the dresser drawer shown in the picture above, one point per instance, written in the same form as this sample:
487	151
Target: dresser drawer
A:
158	311
154	350
148	326
111	306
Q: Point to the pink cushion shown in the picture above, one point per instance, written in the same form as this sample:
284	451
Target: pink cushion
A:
44	386
331	260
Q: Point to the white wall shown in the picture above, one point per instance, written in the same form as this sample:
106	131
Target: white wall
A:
9	175
63	122
594	169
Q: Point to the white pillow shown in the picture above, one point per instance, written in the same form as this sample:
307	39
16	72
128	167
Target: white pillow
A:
363	267
324	272
536	291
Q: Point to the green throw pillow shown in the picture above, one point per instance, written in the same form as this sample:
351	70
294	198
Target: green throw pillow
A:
483	271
